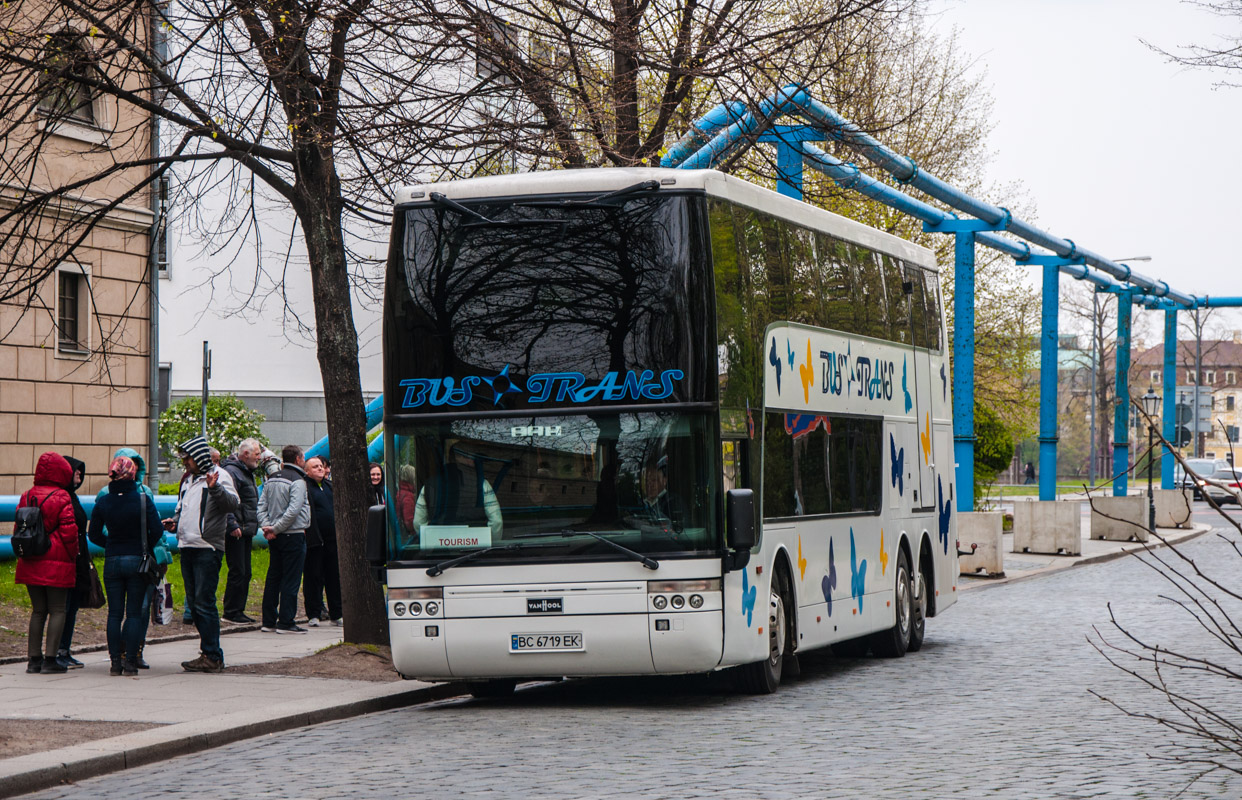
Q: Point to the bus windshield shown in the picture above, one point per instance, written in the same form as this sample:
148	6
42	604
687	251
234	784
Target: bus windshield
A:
638	479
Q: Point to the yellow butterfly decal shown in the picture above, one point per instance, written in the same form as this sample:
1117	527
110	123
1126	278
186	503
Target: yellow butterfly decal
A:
801	560
925	439
883	554
807	373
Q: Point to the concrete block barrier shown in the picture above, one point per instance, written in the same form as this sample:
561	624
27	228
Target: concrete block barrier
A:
1172	508
982	528
1048	526
1119	519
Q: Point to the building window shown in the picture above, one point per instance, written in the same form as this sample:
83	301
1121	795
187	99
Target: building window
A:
161	230
1229	401
67	67
165	399
71	317
1190	376
1155	377
1230	378
1209	377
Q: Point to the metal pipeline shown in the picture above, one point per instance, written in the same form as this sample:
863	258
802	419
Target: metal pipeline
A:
375	415
702	130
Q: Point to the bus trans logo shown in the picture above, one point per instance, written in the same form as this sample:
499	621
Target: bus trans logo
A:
543	387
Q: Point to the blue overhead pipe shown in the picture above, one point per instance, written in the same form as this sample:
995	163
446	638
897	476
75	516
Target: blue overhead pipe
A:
1167	461
1208	301
702	130
1121	413
906	171
726	140
375	415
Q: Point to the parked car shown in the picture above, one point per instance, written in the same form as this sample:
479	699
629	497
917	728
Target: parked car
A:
1225	486
1201	467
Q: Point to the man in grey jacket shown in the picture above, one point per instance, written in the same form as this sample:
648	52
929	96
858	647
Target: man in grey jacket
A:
242	527
207	497
284	516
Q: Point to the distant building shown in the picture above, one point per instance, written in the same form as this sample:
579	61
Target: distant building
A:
1219	376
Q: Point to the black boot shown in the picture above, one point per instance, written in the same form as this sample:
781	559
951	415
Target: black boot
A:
35	665
129	669
139	661
53	667
116	667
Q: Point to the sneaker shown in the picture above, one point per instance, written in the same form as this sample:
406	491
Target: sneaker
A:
52	666
290	629
68	660
203	664
187	620
338	622
35	665
313	622
238	619
268	629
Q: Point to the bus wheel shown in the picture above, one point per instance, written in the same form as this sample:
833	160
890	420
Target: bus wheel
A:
763	677
920	612
490	689
894	642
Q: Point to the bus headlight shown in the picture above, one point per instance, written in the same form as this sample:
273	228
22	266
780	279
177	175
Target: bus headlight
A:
398	609
431	608
678	601
696	601
660	602
416	609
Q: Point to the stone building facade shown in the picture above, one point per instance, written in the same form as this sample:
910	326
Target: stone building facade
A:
75	346
1219	376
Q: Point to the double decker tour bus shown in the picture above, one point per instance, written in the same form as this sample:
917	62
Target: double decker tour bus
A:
647	421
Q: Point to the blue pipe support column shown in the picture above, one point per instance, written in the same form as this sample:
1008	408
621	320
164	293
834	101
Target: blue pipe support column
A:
789	171
1049	345
1121	412
964	368
1167	461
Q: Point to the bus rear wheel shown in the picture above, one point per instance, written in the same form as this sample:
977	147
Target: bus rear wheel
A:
491	689
919	627
894	642
763	677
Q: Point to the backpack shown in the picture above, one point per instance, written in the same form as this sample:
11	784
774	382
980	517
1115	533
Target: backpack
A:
30	539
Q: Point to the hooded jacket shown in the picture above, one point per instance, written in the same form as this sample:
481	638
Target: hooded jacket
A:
283	503
82	563
132	521
246	516
56	567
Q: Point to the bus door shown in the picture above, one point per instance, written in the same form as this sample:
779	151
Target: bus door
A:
920	383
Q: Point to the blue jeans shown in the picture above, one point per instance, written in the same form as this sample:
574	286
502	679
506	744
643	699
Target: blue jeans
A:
125	589
287	555
200	569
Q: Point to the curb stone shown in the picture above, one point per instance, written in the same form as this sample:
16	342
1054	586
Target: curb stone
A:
39	771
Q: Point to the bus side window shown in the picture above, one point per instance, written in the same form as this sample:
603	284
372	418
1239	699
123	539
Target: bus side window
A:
731	464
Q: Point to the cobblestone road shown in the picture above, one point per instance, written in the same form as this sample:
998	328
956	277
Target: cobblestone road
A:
996	705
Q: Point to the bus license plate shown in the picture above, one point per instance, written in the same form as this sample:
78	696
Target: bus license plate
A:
545	643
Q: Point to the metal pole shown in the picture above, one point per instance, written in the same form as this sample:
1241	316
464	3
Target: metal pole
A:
1095	316
1121	411
789	171
1197	447
964	368
1167	461
1151	498
206	378
1048	347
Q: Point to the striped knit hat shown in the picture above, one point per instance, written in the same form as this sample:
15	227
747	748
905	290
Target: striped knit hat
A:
198	450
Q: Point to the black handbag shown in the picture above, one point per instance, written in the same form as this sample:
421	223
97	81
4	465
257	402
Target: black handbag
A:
93	596
149	568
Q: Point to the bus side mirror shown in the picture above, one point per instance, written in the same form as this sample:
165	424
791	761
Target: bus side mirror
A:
740	534
377	539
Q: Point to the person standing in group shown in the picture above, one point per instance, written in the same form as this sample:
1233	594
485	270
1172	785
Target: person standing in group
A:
133	528
284	516
207	497
82	583
49	577
322	573
242	526
379	496
140	477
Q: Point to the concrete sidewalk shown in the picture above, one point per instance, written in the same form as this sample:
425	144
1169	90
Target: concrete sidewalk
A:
196	711
1023	566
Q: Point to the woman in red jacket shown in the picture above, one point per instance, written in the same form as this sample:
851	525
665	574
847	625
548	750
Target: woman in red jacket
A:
50	577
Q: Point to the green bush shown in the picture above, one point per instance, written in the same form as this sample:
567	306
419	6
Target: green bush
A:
168	488
993	449
228	422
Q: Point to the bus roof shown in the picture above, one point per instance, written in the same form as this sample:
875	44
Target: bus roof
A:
713	182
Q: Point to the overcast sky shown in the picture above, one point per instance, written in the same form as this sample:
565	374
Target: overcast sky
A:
1120	150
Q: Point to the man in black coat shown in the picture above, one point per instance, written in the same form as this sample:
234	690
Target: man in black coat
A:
322	572
242	526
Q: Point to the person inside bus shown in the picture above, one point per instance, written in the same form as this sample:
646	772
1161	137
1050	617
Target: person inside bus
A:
659	504
452	501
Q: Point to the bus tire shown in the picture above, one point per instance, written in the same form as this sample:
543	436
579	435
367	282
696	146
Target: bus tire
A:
919	627
894	642
763	677
491	689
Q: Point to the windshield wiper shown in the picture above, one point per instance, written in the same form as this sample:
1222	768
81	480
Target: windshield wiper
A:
646	561
441	200
471	556
644	186
482	220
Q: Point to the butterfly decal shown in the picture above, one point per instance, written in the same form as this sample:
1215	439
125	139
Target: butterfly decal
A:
858	574
944	383
775	361
748	598
904	390
792	356
944	509
807	373
925	440
830	580
898	466
801	560
883	554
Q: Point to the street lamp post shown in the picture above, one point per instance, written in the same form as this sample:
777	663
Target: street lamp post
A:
1151	403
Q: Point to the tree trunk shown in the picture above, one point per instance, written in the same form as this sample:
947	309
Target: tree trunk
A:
366	618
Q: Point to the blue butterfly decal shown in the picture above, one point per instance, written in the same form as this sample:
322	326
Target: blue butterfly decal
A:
904	390
899	466
944	383
792	355
748	598
830	580
775	361
858	575
944	508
